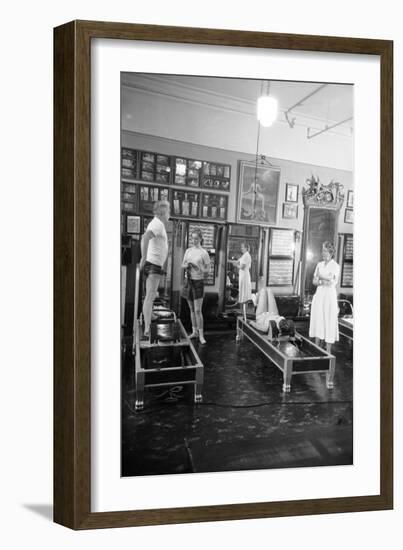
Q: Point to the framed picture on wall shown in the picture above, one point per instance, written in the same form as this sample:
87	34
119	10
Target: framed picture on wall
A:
290	211
133	224
291	192
350	199
349	215
257	193
92	407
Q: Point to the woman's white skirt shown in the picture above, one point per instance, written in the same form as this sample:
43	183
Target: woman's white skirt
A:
245	287
324	315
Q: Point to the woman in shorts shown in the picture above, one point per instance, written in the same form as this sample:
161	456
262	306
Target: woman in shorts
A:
196	261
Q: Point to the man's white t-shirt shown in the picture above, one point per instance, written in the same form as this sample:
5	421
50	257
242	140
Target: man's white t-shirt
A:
158	246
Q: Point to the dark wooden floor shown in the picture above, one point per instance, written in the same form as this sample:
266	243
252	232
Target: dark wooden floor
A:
245	420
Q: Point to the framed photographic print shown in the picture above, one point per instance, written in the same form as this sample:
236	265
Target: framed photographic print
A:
144	426
350	199
349	215
290	211
291	192
257	193
216	176
214	206
133	224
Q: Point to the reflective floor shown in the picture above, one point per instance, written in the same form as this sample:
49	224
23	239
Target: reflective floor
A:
245	420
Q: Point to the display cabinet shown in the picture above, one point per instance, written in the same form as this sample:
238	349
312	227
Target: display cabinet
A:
347	261
216	176
187	172
148	195
214	207
185	204
281	257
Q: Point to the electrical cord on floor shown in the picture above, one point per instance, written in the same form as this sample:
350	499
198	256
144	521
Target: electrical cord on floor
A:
149	409
172	395
266	403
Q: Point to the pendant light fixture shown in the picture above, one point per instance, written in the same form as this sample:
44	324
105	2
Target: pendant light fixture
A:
267	106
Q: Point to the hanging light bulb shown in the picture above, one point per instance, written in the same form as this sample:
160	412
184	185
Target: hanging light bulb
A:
267	108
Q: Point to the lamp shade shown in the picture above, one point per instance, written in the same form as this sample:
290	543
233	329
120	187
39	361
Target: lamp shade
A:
267	108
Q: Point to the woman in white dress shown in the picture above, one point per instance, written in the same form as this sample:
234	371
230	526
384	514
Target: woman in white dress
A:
324	309
244	283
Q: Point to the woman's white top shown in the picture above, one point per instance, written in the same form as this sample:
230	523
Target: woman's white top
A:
199	257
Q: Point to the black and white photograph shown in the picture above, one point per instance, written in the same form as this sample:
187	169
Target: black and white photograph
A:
237	307
291	192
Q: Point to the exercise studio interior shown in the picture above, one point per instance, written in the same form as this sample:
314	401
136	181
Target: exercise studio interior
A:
237	233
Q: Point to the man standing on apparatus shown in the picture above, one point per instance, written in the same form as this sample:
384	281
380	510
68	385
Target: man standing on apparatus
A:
154	252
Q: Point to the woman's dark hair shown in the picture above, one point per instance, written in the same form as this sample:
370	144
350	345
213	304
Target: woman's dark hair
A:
199	233
327	245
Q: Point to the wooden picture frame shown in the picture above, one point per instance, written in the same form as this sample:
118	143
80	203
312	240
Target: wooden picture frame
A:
258	191
133	224
72	275
350	199
290	211
291	192
349	215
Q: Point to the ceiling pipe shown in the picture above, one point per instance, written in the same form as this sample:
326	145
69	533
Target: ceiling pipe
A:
300	102
326	128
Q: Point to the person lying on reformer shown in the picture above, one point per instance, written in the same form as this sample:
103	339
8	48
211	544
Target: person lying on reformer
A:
267	318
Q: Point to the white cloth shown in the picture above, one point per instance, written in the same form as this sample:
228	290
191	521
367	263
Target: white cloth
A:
157	246
324	309
245	287
199	257
262	322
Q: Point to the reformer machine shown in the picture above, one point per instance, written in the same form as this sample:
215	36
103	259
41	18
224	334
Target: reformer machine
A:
291	352
346	322
167	357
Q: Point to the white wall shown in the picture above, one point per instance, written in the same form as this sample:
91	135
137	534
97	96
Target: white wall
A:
26	281
202	124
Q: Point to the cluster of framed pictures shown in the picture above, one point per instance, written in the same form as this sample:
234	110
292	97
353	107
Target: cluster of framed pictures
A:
157	170
171	170
149	194
185	204
349	212
129	163
214	206
139	199
290	207
129	197
154	167
216	176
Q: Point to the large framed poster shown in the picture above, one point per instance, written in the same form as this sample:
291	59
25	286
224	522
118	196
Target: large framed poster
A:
258	189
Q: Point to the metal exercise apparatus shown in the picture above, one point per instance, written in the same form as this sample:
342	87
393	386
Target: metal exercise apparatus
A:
291	352
167	357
